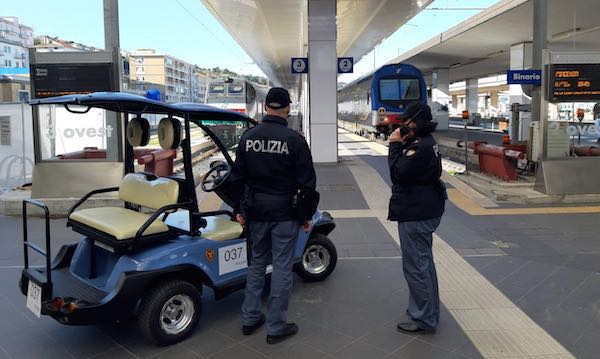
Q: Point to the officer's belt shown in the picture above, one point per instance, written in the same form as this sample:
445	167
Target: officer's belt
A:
399	188
272	197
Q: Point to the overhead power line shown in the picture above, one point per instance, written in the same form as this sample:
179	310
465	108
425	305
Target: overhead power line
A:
456	8
199	21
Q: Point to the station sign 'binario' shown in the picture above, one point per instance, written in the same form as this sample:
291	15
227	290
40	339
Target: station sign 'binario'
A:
574	82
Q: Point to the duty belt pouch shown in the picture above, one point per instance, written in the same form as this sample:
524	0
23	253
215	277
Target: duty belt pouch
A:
298	207
305	204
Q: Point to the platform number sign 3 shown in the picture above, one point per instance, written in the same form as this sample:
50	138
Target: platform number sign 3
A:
232	258
345	65
299	65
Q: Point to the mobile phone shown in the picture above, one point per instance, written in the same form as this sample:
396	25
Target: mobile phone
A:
404	130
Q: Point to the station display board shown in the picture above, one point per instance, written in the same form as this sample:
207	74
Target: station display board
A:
64	79
574	82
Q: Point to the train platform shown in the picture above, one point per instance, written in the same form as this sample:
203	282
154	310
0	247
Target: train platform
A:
515	282
498	191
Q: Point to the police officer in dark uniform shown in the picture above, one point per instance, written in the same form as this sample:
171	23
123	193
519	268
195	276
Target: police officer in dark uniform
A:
275	164
417	204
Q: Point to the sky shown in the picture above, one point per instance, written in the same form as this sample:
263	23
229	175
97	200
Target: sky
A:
186	30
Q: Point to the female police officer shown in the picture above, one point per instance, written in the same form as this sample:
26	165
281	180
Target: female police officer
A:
417	204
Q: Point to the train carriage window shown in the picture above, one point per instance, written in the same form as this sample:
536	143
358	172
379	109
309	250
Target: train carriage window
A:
216	89
235	89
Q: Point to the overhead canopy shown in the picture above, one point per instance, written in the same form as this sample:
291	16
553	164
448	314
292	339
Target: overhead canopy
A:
126	102
112	101
273	31
480	46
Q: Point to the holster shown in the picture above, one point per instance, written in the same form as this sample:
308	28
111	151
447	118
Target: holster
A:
305	204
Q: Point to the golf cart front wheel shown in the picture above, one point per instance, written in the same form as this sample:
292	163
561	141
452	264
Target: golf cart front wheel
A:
170	312
318	259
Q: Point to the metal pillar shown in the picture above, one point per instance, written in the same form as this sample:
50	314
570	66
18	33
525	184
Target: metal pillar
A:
111	43
322	39
472	98
440	97
539	106
111	24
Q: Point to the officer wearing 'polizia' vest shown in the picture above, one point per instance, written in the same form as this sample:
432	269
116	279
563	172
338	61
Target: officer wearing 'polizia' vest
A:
274	163
417	204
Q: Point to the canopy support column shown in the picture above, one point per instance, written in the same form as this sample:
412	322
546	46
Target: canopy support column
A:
440	97
322	59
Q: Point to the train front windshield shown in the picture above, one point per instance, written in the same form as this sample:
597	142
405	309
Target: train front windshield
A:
395	90
216	89
223	92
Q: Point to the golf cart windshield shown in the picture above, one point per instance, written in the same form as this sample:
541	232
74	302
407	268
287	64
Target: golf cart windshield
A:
228	133
224	127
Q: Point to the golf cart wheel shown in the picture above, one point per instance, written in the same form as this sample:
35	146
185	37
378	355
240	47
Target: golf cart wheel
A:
170	311
318	259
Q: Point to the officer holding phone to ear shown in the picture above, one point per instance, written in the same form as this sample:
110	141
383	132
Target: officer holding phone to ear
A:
417	204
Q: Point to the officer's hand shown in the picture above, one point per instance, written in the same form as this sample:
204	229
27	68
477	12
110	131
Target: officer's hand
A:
307	226
241	220
395	136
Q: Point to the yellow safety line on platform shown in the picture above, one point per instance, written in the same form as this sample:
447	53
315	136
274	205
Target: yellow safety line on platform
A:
472	207
495	325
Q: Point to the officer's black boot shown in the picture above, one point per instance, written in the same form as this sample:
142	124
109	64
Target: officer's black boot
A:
290	330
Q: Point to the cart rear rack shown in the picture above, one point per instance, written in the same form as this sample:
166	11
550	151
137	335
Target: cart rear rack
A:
32	274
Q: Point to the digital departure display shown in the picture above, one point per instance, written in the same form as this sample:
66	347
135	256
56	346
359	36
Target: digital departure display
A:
65	79
574	82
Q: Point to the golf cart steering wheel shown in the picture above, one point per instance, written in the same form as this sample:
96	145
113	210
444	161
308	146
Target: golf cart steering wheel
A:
216	176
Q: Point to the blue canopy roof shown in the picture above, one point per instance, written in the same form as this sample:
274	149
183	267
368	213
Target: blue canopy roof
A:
113	101
126	102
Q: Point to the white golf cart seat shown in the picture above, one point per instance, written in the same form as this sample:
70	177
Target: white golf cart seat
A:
218	228
123	223
221	228
117	226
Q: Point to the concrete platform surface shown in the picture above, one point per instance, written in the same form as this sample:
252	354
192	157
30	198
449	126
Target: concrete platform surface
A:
513	285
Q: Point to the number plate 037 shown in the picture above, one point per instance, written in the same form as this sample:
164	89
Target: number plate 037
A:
232	258
34	298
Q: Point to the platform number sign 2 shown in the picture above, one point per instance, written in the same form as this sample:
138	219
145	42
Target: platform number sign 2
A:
345	65
299	65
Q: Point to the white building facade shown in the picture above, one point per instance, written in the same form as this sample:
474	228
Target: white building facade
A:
15	38
177	76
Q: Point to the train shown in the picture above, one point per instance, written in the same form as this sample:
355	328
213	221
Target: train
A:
372	105
237	94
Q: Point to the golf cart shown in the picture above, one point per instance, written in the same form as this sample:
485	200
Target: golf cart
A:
152	257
